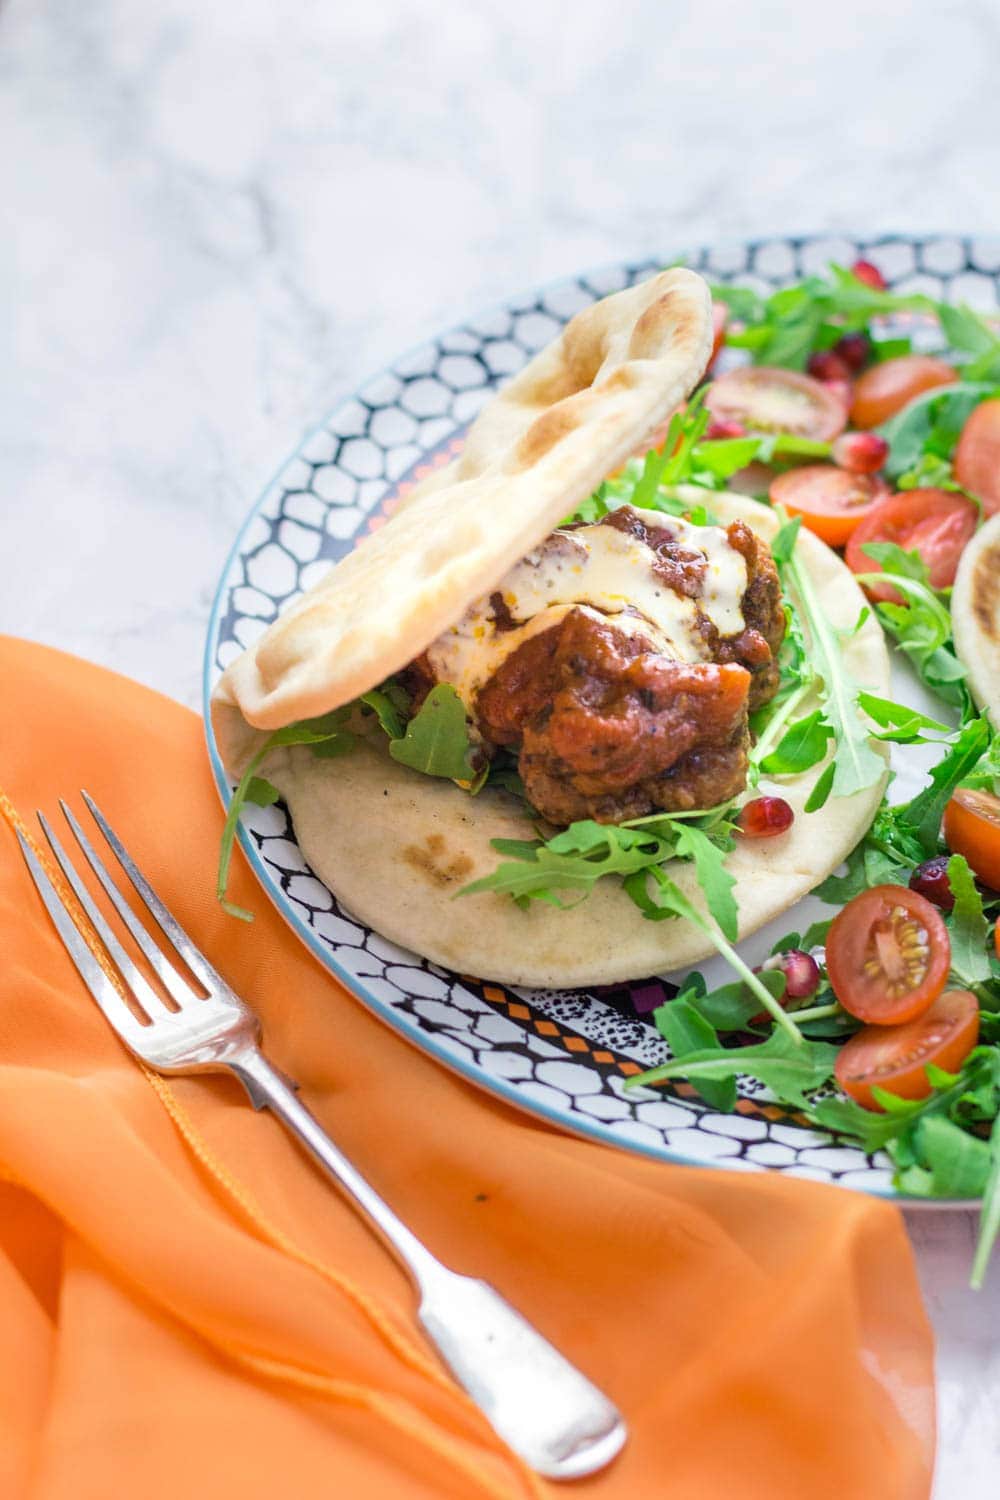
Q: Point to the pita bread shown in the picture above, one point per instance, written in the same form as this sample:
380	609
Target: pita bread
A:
395	846
975	615
545	443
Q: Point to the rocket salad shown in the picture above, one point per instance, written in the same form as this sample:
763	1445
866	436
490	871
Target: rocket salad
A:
896	1000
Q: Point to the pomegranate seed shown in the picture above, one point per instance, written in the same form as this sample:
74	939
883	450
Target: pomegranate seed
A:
931	880
801	972
859	452
828	365
764	817
723	427
855	350
870	275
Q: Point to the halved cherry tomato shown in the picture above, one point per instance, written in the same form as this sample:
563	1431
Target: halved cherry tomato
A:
972	828
886	388
887	955
977	457
767	399
935	523
720	317
895	1058
830	501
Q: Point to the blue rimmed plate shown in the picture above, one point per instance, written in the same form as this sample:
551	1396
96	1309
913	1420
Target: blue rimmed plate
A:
564	1055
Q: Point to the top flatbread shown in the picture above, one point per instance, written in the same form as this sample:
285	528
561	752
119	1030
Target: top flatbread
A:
975	614
570	418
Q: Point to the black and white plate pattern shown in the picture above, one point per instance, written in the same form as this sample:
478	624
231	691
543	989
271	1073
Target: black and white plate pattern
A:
563	1055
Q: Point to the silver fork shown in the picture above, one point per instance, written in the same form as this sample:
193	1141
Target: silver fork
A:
540	1404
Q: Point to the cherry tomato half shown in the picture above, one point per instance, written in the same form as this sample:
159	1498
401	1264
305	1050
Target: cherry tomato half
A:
886	388
935	523
895	1058
887	955
977	457
766	399
972	828
831	501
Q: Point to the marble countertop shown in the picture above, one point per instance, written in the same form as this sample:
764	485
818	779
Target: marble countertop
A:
219	219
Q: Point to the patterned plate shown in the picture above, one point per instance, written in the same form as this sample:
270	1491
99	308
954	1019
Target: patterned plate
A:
563	1055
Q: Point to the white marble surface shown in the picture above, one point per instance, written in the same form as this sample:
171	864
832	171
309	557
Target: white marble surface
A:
218	218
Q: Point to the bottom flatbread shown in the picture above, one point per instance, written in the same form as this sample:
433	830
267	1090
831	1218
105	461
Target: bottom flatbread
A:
395	846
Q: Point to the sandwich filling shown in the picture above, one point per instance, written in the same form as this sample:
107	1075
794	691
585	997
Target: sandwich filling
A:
620	662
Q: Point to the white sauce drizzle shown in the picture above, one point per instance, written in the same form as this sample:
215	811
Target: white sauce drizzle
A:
608	571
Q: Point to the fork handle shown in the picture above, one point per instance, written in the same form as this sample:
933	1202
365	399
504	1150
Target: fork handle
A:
539	1403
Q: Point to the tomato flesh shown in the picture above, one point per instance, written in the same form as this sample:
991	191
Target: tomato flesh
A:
977	457
832	502
935	523
972	828
895	1058
888	955
883	390
768	399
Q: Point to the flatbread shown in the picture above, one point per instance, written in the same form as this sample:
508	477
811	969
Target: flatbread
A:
395	846
541	446
975	615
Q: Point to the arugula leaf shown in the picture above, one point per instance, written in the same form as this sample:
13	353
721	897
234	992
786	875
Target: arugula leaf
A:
663	900
901	724
436	741
801	746
922	816
731	1006
791	1069
855	765
714	879
947	1161
922	624
967	925
261	792
391	706
934	419
989	1217
573	860
686	1030
254	788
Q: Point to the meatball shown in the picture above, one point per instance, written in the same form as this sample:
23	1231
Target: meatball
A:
610	729
608	713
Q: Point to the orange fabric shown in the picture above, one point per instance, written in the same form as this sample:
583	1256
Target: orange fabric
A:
188	1308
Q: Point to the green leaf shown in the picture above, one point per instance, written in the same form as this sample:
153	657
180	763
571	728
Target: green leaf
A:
958	1164
923	815
902	725
686	1031
967	925
388	710
966	330
261	792
820	793
714	879
989	1218
784	540
942	412
254	788
731	1006
855	764
437	738
802	746
791	1069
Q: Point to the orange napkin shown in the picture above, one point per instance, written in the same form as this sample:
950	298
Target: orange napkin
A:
189	1309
